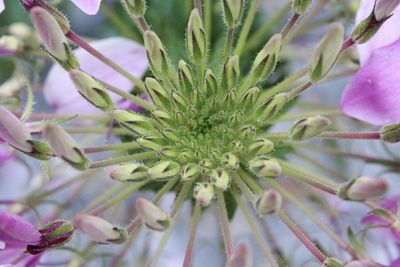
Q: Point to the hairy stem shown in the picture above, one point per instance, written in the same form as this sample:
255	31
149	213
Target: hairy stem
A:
223	217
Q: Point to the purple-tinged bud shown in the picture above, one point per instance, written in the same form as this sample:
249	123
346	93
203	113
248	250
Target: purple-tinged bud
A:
9	45
65	147
264	167
204	193
53	234
361	264
100	230
269	202
384	8
309	127
363	188
391	133
154	217
242	257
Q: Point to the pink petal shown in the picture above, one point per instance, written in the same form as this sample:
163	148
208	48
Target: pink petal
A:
5	154
2	5
90	7
373	95
60	92
387	34
16	232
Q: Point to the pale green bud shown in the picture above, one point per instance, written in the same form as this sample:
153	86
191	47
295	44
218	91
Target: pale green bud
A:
153	217
238	147
196	37
185	78
10	44
179	101
366	29
131	172
309	127
206	164
266	60
158	94
261	146
40	150
186	155
204	193
250	97
164	169
230	73
170	135
230	161
332	262
220	179
190	172
210	83
270	107
135	7
65	147
384	8
230	98
134	122
20	30
269	202
91	90
391	133
363	188
163	117
326	53
151	142
233	11
264	167
301	6
247	131
168	152
156	54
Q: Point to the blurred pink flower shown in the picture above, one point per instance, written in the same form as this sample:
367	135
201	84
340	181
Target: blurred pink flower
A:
5	153
62	95
1	5
372	95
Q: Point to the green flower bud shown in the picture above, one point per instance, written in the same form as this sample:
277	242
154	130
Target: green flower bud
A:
332	262
65	147
154	217
309	127
264	167
168	152
163	117
363	188
230	73
134	122
238	147
230	161
11	44
196	37
391	133
40	150
301	6
131	172
190	172
270	107
179	101
366	29
164	169
186	155
233	11
261	146
151	142
170	135
185	78
210	83
220	179
266	59
247	131
158	94
206	164
135	7
91	90
204	193
269	202
156	54
326	53
250	97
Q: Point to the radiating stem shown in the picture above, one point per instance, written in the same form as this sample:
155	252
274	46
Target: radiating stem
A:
208	18
300	89
197	4
143	24
122	146
246	26
223	217
104	197
351	135
123	159
94	130
243	187
228	44
187	262
289	25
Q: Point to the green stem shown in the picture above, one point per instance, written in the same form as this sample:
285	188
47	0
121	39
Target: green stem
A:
228	44
122	146
208	18
289	26
300	89
197	4
243	187
103	197
193	229
123	159
223	217
95	130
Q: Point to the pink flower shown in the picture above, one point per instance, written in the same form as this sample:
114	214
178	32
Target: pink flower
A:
371	95
61	93
5	154
2	5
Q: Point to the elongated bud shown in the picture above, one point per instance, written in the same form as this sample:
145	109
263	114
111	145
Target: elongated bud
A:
266	59
170	134
135	7
270	107
247	131
233	11
53	234
327	52
230	161
134	122
156	54
210	83
186	155
163	117
261	146
366	29
264	167
361	264
40	150
190	172
185	78
391	133
168	152
154	217
131	172
151	142
363	188
332	262
269	202
9	45
301	6
250	97
384	8
231	73
179	101
91	90
204	193
309	127
196	37
52	37
100	230
220	179
242	257
206	165
164	169
65	147
158	94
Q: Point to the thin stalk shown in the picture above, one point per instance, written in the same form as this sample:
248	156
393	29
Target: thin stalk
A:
95	130
120	256
166	188
197	4
119	23
228	43
351	135
302	236
103	197
246	27
122	146
254	230
277	136
300	89
142	24
300	115
289	25
123	159
223	217
243	187
187	262
208	18
347	44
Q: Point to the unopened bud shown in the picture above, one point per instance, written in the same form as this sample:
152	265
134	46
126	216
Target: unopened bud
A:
186	155
210	83
230	73
154	217
164	169
100	230
20	30
163	117
366	29
156	54
391	133
363	188
332	262
185	78
9	45
309	127
134	122
242	257
261	146
247	131
250	97
168	152
170	134
196	37
40	150
190	172
131	172
326	53
135	7
301	6
266	59
151	142
158	94
269	202
206	164
384	8
230	161
220	179
233	11
204	193
179	101
270	107
91	90
65	147
264	167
